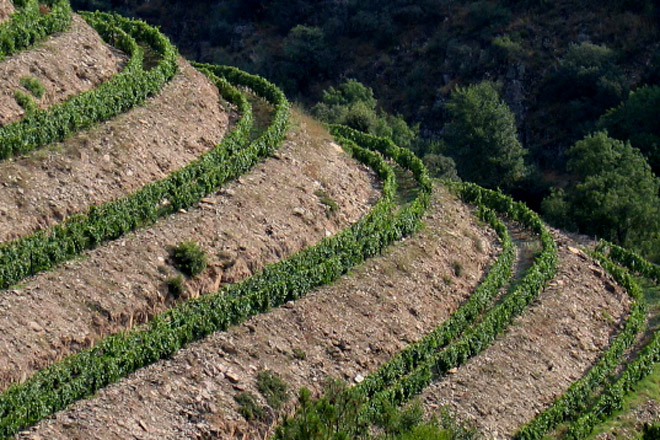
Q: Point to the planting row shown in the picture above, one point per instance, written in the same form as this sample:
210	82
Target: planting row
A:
611	399
30	24
574	401
413	369
118	355
43	250
121	93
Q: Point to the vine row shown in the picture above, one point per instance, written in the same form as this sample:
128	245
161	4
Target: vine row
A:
28	25
114	357
115	96
575	400
611	399
409	372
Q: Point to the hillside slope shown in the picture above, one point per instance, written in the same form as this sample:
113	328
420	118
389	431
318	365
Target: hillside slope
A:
171	232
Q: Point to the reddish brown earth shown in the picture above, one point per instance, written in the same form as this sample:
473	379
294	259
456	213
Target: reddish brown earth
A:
345	330
66	63
113	158
6	9
546	349
268	214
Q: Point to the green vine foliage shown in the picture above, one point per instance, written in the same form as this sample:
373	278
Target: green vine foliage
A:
45	249
611	399
574	401
410	371
28	26
116	356
122	92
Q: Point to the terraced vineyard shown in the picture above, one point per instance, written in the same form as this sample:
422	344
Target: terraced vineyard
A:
182	251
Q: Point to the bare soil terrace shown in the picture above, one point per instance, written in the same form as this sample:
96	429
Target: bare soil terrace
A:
345	330
66	63
266	215
113	158
546	349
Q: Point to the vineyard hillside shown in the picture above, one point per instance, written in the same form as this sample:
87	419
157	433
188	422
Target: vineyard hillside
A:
185	254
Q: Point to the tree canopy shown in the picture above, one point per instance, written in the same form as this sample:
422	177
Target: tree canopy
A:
481	137
614	194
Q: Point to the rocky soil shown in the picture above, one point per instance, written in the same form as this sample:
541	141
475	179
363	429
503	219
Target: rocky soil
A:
113	158
66	63
345	330
546	349
6	9
263	217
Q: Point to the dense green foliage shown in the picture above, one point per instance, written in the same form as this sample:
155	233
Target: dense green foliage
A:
651	432
614	195
121	93
273	388
353	104
34	86
636	120
481	136
25	101
28	25
585	83
189	258
334	416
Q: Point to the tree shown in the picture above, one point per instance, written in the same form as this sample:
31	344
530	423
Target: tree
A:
636	120
481	137
353	104
614	194
307	54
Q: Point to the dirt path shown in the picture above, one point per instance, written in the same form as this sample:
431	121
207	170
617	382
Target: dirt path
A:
66	64
270	213
6	9
344	330
546	349
114	158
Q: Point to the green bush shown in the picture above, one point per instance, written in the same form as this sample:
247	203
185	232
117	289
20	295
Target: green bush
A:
273	388
25	101
189	258
353	104
614	195
34	86
175	286
635	120
481	137
248	406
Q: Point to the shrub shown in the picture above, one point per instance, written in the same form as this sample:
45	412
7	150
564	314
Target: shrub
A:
189	258
34	86
248	406
25	101
481	136
175	286
273	388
